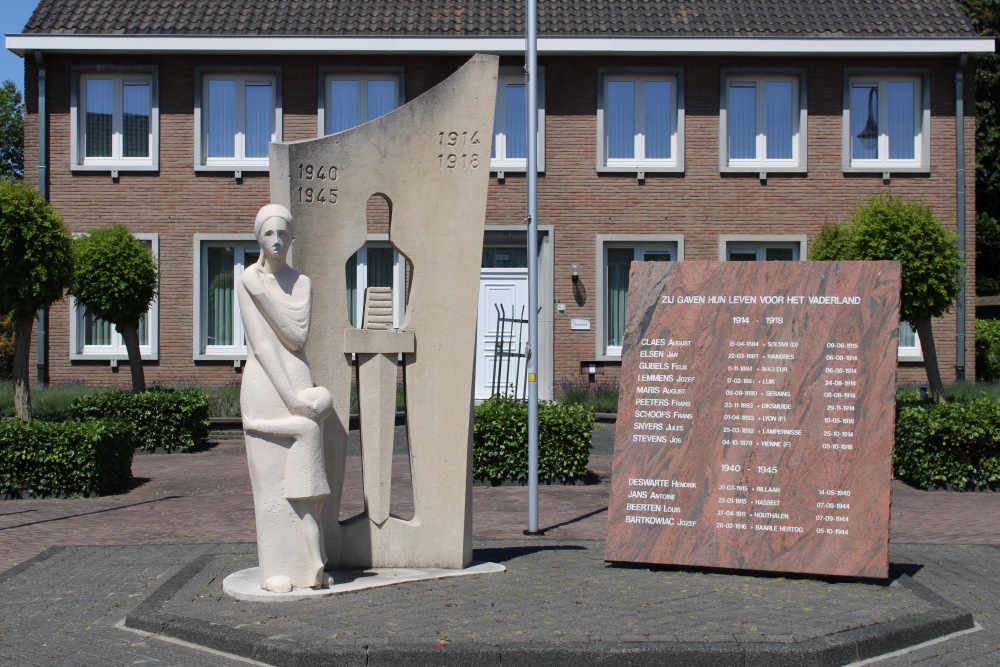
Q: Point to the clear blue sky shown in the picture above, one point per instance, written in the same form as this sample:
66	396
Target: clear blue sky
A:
13	15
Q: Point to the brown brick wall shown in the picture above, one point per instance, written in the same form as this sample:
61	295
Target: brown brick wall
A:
699	204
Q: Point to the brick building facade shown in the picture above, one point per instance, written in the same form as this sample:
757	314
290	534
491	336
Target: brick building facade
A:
663	137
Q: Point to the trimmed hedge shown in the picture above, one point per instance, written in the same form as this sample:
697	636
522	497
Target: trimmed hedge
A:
952	445
988	349
500	441
39	459
161	418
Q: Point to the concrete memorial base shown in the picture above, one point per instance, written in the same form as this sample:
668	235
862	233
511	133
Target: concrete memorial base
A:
245	584
556	604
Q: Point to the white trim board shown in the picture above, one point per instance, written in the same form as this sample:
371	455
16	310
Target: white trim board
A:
23	43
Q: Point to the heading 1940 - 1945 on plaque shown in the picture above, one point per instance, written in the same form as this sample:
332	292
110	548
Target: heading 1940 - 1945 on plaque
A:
755	418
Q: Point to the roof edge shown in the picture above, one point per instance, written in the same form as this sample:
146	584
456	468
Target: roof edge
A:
23	43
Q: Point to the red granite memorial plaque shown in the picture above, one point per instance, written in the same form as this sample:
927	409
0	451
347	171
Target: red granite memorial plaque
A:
755	417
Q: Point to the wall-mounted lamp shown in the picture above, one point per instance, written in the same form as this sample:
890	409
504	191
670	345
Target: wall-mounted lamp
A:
576	274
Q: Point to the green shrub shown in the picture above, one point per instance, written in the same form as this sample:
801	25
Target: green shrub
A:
224	401
500	441
63	459
988	349
51	403
954	445
599	396
162	418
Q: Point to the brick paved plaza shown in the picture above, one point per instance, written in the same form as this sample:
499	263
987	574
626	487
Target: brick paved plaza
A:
204	498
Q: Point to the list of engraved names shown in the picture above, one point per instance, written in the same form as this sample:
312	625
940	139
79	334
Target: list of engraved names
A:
738	418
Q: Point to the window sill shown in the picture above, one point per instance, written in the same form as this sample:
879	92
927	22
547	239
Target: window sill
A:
640	167
770	168
221	356
910	355
122	357
513	169
886	168
234	166
115	167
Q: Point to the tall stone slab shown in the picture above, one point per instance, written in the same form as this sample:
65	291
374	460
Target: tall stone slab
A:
755	416
430	160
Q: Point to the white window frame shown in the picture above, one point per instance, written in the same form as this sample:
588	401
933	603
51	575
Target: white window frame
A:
78	351
203	351
758	78
242	76
398	279
642	243
78	118
760	244
633	165
501	163
922	116
362	75
909	353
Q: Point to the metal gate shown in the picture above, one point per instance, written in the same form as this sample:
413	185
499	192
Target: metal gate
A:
510	375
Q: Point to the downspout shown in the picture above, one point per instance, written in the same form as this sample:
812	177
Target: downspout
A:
42	333
960	211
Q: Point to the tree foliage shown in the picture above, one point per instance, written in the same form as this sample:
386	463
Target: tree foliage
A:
6	349
116	279
36	265
11	132
987	254
887	227
985	16
36	262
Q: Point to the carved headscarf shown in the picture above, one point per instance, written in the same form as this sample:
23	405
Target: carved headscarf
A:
273	211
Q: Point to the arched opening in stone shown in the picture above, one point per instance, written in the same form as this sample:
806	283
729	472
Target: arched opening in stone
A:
377	283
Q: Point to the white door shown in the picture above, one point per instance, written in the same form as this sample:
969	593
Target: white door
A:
506	288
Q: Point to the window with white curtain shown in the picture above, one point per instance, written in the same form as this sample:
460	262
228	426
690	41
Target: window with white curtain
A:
617	261
94	338
219	330
510	122
238	114
375	265
886	121
115	121
640	119
909	343
762	119
351	99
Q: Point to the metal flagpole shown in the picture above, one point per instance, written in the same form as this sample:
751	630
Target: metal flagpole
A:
531	65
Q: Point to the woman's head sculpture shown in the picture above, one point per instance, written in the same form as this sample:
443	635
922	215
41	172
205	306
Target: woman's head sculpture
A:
273	211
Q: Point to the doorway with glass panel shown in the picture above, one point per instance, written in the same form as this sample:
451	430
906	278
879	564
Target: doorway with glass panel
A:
501	334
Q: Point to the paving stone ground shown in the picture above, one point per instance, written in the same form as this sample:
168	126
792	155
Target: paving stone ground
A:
199	503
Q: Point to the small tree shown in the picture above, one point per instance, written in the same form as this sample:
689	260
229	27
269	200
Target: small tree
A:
115	279
11	132
891	228
36	265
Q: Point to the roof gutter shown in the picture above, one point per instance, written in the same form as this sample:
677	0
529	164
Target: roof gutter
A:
52	43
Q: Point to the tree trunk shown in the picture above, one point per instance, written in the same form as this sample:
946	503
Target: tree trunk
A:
22	348
130	334
926	334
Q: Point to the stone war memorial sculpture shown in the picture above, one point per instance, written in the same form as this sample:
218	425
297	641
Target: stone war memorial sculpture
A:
755	417
429	161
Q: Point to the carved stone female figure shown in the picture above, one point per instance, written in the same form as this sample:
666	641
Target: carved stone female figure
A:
282	412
